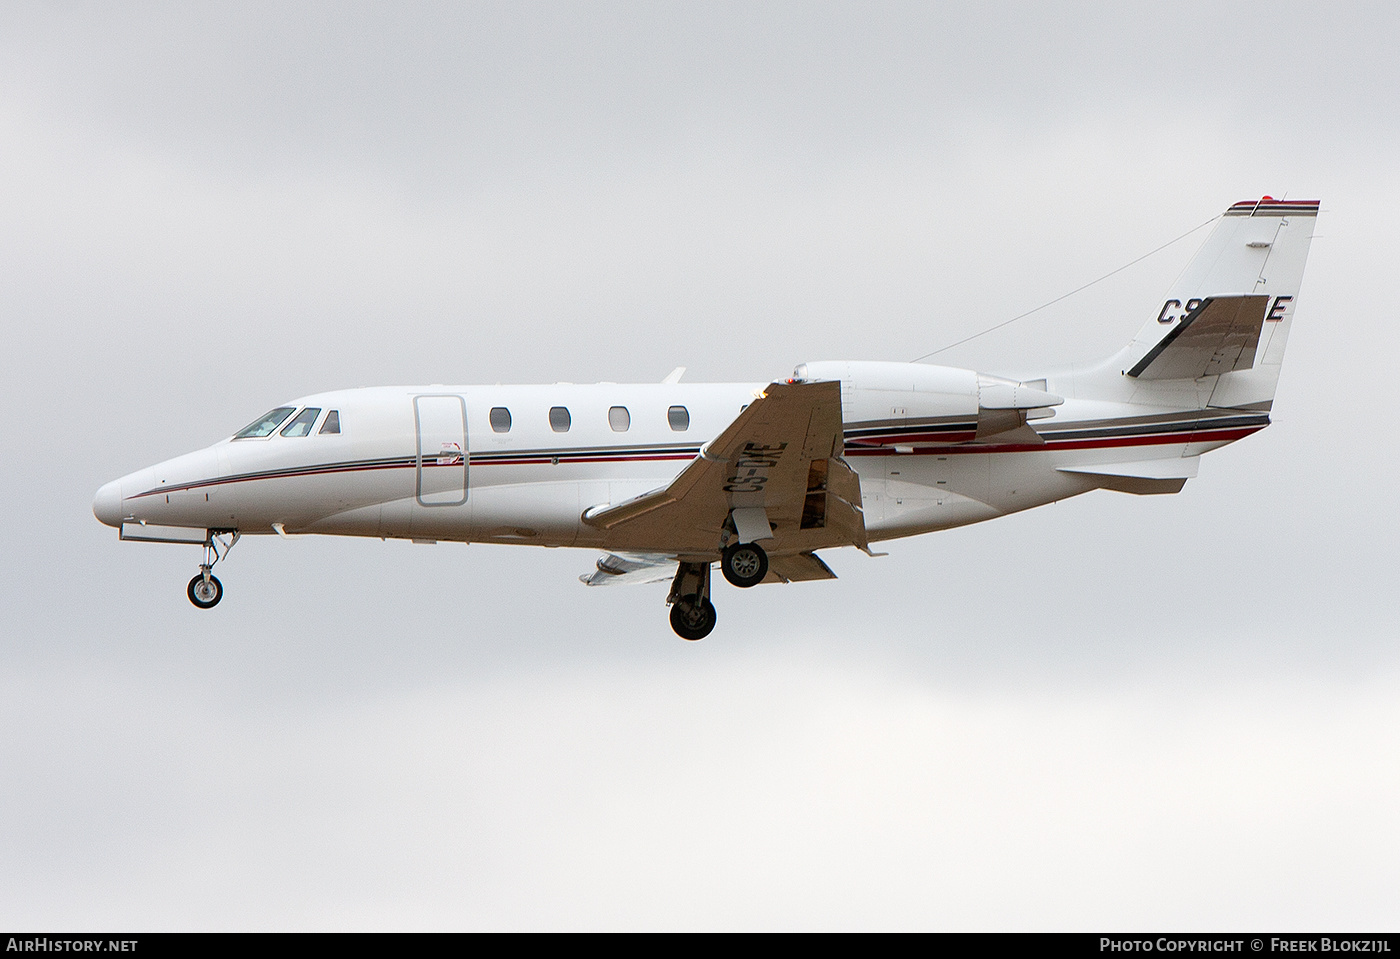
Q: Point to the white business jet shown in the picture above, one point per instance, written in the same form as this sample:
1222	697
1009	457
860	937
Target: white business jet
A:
667	479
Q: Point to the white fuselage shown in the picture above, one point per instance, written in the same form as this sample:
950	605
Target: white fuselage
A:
401	466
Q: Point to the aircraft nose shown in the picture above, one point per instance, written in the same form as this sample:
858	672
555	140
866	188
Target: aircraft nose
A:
107	504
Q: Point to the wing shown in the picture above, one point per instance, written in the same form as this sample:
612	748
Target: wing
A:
631	569
1220	335
775	473
798	568
635	569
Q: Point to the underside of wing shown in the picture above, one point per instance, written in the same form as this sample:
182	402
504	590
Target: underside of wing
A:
775	474
797	568
1218	336
631	569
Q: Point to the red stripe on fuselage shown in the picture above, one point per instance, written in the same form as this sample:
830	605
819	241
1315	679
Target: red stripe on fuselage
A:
531	460
905	439
1152	439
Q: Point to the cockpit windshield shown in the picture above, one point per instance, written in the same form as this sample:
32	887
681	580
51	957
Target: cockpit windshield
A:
264	425
301	426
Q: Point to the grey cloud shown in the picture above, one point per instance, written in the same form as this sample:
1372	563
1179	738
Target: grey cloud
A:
1181	719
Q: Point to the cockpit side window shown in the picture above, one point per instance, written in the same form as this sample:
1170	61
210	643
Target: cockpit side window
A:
332	423
264	425
301	425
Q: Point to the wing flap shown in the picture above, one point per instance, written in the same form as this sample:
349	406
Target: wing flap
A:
797	568
630	569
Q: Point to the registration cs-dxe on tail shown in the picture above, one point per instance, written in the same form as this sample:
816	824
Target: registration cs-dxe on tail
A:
667	479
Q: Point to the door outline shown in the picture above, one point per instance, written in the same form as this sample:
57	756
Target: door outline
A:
418	462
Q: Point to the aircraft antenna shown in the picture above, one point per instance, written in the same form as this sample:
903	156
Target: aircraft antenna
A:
1081	289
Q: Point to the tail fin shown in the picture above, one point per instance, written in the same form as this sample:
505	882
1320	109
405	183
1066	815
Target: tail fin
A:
1229	312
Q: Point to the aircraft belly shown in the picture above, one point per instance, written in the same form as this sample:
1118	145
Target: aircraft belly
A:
911	517
298	502
1021	481
528	513
926	492
450	521
360	521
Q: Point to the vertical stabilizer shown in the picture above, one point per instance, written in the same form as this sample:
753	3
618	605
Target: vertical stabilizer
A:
1228	314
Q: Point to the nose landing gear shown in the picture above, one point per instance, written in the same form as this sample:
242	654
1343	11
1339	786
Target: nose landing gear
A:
205	590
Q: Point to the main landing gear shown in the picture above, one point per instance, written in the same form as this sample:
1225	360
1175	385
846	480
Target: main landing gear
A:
744	564
692	613
205	590
693	618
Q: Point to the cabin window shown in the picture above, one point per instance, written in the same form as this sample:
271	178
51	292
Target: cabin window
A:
500	419
264	425
619	419
559	419
301	425
679	418
332	423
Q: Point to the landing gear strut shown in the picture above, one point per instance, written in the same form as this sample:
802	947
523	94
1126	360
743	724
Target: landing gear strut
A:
205	590
692	613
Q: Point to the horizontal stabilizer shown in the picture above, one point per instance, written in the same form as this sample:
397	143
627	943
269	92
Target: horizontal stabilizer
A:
1177	467
1218	336
1143	478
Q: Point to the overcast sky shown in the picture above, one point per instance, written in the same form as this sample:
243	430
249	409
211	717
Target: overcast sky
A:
1116	712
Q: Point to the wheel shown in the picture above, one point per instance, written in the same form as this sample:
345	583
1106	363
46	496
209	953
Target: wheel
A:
744	564
692	620
205	595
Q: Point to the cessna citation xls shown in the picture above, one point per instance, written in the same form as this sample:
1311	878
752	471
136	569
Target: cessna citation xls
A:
667	479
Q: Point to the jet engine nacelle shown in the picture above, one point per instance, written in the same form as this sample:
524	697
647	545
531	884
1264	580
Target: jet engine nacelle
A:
916	404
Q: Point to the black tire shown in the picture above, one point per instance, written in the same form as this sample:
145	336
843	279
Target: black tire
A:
744	564
692	620
205	597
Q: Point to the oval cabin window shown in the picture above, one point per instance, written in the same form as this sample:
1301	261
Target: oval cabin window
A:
619	419
559	419
500	419
679	418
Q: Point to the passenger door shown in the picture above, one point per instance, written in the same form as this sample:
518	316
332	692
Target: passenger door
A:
441	423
